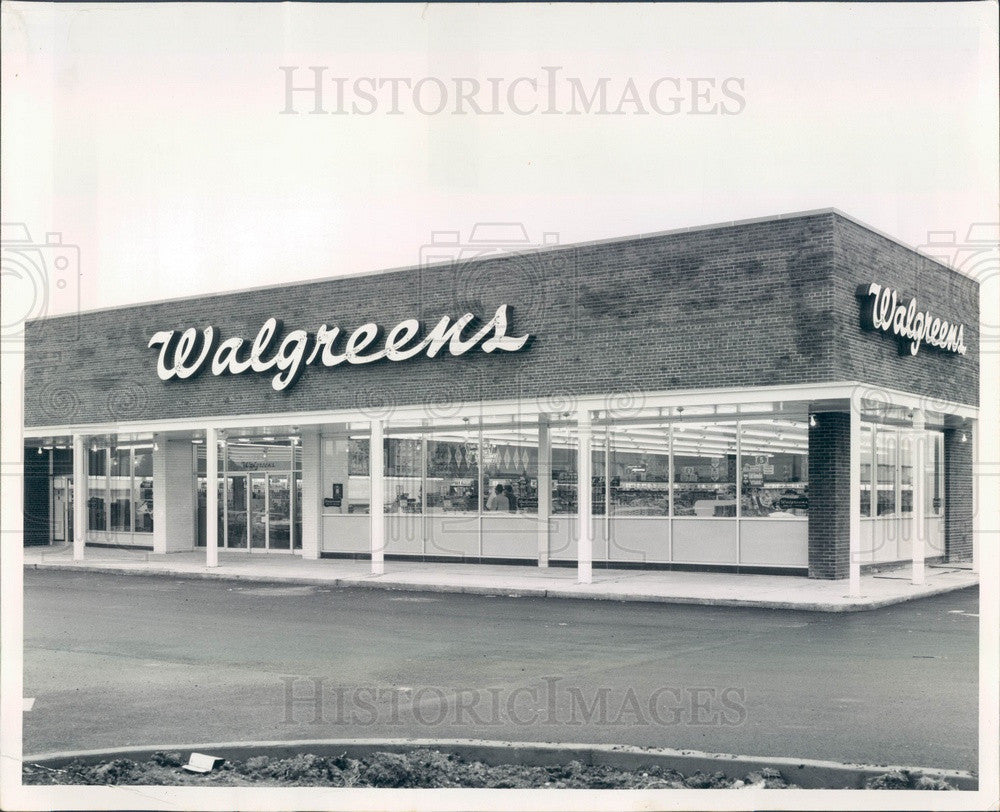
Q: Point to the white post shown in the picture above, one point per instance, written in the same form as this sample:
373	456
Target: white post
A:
855	499
584	466
544	488
80	469
376	472
918	455
211	497
313	483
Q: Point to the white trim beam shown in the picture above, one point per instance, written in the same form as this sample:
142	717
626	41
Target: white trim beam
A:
525	407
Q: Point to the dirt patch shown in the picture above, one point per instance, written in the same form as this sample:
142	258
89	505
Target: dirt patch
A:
417	769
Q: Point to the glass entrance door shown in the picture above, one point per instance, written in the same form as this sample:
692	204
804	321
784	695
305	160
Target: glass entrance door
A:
236	512
279	512
255	512
258	511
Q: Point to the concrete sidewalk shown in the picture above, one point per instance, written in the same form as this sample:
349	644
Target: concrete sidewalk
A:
657	586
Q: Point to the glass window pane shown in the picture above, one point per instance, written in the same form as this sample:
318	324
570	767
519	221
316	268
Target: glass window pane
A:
564	470
142	482
453	472
640	470
906	452
200	485
885	463
775	462
121	490
297	533
510	468
403	470
200	467
358	484
97	489
257	456
934	503
938	501
705	469
236	511
97	462
866	470
598	459
345	484
335	468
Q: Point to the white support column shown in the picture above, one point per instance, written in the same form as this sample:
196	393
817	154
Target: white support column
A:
376	473
312	493
211	497
160	520
919	456
79	496
854	545
584	467
544	488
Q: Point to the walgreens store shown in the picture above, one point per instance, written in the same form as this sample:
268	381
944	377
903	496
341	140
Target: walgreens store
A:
792	395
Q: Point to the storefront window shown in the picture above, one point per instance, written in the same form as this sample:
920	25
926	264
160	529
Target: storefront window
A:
639	471
563	472
866	470
97	489
200	466
121	490
907	450
705	469
142	489
775	468
599	483
345	483
510	469
885	464
452	472
934	474
358	482
403	474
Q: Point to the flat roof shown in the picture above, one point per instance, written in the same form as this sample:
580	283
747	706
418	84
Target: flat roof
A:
536	248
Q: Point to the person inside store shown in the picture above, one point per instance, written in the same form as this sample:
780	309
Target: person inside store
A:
511	498
498	500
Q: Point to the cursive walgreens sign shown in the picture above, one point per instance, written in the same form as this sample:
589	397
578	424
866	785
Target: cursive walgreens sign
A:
184	354
883	310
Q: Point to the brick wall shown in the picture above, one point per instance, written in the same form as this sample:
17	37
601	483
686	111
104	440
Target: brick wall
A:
829	495
958	495
762	303
861	257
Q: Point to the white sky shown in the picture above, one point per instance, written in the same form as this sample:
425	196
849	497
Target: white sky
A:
150	136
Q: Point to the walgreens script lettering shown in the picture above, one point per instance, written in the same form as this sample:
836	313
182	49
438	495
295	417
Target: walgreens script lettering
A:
908	324
183	354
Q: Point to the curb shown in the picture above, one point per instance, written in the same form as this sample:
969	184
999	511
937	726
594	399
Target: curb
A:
806	773
513	592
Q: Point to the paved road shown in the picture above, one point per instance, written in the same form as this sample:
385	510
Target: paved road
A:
113	661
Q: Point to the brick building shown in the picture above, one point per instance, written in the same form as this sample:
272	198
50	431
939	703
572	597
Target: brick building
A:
794	394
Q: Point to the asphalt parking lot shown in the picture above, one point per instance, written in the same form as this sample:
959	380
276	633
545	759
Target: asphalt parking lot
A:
133	660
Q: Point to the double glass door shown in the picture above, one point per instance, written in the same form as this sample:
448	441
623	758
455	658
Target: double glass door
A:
257	511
